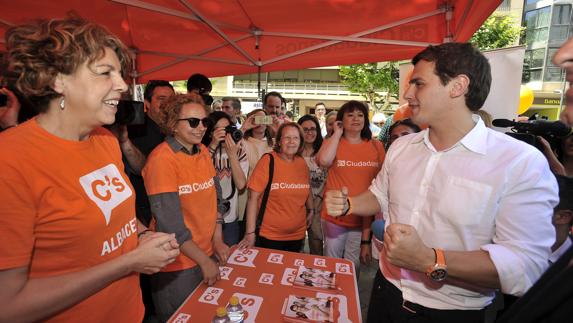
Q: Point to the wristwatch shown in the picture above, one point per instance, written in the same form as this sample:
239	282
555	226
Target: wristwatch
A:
438	271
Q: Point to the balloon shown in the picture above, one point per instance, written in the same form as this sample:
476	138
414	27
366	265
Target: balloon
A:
525	99
378	229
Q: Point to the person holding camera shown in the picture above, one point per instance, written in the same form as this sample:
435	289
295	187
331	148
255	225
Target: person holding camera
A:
72	248
225	144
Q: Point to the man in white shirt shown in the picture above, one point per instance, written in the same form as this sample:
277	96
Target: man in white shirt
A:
467	209
232	107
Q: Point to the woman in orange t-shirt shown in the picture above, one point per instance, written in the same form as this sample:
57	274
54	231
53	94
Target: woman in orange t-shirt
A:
69	249
181	181
289	206
353	159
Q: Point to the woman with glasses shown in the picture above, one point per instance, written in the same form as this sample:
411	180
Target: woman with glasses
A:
285	218
231	165
70	250
353	159
312	143
180	182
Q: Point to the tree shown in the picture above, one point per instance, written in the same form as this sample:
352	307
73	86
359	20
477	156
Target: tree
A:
498	31
368	79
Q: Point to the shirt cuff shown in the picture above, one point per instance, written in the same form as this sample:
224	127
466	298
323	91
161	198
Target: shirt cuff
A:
510	269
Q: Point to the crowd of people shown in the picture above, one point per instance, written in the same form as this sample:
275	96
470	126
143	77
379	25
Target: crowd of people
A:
85	209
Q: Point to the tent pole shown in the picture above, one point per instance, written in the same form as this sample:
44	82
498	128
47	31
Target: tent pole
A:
259	82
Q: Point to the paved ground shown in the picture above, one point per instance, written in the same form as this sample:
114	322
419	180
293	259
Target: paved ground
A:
365	283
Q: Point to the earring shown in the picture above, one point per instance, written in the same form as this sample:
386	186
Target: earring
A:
62	104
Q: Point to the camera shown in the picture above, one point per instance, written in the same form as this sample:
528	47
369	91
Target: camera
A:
3	99
235	133
529	130
130	113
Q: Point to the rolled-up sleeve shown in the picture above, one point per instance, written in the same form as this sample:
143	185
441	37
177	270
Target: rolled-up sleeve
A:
166	209
523	230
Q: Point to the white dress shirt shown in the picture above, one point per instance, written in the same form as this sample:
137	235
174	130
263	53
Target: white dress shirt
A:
560	251
488	191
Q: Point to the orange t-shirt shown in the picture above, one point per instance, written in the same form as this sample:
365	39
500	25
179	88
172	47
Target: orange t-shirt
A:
67	206
192	177
354	166
285	214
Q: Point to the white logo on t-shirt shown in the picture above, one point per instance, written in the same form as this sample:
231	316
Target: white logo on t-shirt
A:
107	188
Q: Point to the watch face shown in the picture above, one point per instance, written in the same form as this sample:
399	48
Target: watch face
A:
438	274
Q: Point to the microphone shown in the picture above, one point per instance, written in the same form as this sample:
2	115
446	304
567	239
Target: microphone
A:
536	127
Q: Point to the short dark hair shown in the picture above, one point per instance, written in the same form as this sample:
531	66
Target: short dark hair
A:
354	105
318	141
150	87
236	103
453	59
199	82
405	122
215	116
320	103
272	93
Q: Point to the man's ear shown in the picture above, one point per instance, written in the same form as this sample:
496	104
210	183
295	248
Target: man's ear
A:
563	217
459	85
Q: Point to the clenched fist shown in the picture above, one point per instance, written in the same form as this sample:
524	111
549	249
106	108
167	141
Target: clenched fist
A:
336	202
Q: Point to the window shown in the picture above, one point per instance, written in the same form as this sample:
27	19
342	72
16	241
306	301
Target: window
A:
537	27
533	63
552	73
560	25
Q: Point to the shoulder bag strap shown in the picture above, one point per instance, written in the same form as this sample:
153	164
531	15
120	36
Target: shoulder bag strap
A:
261	214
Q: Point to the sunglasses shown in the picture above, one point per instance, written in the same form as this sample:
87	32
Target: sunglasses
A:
194	122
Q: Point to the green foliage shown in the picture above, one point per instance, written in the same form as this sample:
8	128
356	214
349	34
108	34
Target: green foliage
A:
368	79
498	31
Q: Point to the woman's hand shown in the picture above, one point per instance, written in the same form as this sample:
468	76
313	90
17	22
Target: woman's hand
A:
338	130
218	137
365	254
221	251
155	251
554	163
210	271
248	241
231	146
249	124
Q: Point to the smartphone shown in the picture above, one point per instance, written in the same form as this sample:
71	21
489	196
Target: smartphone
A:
263	120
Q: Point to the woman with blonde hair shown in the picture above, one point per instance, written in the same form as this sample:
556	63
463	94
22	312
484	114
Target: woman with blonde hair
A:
70	249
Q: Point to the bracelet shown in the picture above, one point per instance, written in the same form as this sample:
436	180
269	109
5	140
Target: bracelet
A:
349	209
363	242
252	232
143	232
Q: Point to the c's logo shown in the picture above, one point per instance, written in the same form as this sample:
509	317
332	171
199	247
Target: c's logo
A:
107	188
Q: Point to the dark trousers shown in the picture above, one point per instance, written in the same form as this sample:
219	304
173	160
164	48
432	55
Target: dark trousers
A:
386	305
286	245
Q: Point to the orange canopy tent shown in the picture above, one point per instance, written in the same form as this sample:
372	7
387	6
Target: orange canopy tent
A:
175	38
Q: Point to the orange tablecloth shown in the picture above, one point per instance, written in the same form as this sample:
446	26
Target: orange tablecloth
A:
262	279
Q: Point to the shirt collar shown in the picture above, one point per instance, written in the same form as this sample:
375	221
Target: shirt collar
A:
176	146
475	140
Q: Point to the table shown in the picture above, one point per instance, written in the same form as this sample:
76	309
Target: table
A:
263	279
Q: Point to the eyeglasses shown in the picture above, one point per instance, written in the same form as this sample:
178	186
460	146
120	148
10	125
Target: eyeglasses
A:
309	129
194	122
